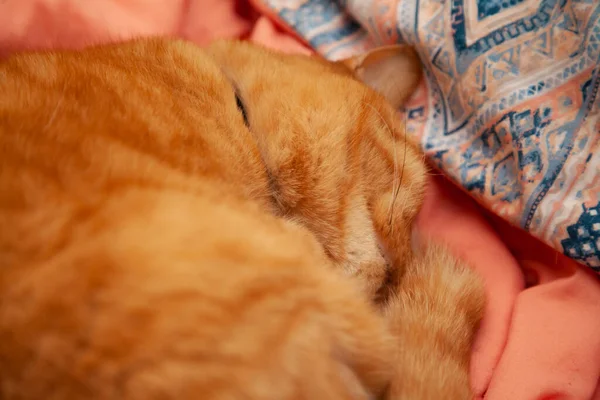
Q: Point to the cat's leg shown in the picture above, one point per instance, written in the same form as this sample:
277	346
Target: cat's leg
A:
434	315
159	295
433	301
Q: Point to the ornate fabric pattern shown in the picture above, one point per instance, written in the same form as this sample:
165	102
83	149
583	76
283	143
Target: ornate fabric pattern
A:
510	109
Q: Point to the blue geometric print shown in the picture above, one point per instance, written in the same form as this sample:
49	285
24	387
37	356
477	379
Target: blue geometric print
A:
466	54
318	13
488	8
583	243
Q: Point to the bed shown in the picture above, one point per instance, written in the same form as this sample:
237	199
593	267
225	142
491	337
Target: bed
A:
507	114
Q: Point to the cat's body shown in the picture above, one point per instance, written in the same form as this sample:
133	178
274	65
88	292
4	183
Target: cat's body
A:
155	245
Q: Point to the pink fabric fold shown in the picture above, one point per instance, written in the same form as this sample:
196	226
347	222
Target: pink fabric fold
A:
540	339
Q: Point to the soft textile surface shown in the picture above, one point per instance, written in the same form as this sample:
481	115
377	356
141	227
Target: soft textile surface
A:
537	342
511	111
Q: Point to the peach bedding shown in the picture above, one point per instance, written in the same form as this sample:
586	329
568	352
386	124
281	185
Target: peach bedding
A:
539	341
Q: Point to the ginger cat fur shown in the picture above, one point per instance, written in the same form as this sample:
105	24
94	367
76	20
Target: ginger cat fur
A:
220	223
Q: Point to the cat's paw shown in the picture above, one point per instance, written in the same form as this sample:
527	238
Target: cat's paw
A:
435	315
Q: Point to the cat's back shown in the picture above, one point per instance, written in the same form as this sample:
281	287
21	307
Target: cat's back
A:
78	128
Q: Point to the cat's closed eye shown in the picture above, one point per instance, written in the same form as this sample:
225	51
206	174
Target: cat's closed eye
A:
242	108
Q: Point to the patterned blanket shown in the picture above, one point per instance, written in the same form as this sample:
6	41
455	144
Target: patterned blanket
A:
510	107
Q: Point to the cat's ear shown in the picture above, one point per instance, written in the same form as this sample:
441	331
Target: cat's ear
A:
394	71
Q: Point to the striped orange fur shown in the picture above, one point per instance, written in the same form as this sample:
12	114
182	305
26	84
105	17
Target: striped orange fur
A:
220	223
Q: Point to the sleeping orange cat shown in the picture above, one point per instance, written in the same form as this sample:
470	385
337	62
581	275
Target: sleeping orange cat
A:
220	223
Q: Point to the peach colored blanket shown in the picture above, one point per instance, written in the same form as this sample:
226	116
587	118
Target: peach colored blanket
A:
540	339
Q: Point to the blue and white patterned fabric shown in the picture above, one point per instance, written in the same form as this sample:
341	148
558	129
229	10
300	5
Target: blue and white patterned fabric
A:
510	110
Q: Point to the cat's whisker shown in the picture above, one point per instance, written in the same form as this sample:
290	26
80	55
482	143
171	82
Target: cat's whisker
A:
56	108
402	170
395	183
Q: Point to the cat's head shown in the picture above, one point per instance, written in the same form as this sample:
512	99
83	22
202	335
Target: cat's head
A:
333	147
